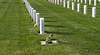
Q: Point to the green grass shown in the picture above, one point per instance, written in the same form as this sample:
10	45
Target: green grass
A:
76	33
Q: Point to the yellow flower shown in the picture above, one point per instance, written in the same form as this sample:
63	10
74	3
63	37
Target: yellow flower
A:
35	25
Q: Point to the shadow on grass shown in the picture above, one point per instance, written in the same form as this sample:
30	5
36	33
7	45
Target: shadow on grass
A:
39	32
54	26
4	2
61	33
17	2
50	21
48	18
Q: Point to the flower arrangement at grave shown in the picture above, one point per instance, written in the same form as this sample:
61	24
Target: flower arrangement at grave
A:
49	39
61	2
23	2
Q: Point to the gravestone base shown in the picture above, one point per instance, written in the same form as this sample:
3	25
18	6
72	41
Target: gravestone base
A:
45	32
44	42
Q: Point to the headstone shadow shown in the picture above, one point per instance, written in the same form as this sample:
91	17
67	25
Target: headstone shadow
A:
48	17
50	21
54	26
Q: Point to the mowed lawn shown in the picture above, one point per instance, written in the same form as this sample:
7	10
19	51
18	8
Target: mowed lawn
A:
76	33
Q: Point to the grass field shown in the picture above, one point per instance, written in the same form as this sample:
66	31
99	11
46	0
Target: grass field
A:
76	33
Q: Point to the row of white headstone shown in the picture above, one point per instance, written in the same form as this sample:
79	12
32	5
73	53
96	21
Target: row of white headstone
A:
35	16
85	1
78	6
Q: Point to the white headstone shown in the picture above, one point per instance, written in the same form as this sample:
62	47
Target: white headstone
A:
74	0
58	2
68	4
85	1
29	8
78	7
41	25
77	0
98	0
85	9
94	2
51	1
64	3
55	1
32	12
72	5
34	15
37	19
81	1
89	2
94	12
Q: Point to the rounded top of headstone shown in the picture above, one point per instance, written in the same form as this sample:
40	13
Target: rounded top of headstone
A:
42	18
93	7
34	10
37	13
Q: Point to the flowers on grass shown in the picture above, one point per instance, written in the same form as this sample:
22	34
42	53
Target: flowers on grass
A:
35	25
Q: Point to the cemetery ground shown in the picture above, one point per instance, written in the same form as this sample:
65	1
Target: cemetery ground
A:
76	33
